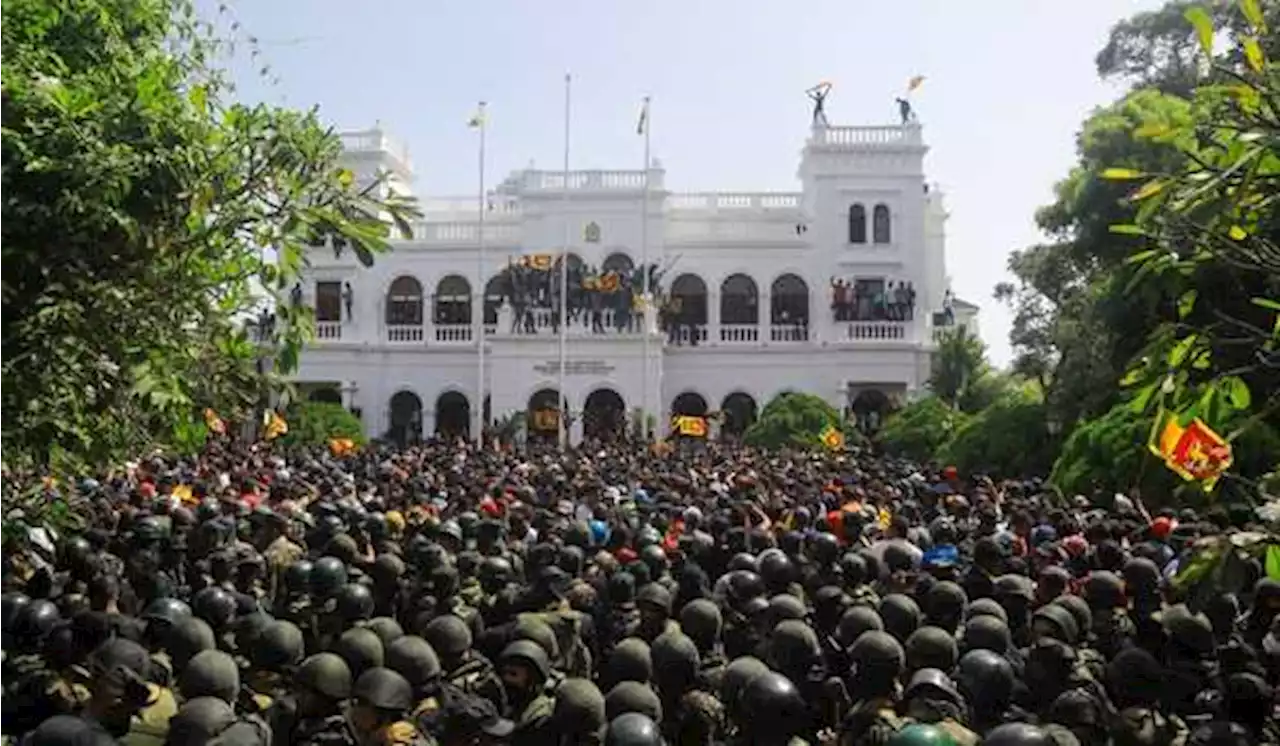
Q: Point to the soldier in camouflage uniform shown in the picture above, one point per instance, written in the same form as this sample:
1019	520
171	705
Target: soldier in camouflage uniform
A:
312	715
464	667
525	668
380	703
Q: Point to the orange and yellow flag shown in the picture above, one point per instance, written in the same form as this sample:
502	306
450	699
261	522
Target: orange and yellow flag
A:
214	422
832	438
693	427
341	446
1195	452
274	426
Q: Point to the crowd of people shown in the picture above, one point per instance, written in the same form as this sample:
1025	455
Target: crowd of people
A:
441	594
532	284
852	300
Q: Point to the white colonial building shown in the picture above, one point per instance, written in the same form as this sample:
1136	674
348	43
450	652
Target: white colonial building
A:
838	289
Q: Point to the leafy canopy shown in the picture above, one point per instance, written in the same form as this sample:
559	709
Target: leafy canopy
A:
146	217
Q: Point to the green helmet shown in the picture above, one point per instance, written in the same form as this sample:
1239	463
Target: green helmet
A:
922	734
327	674
383	689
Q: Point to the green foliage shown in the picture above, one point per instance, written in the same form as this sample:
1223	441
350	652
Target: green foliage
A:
796	420
1010	439
137	201
313	423
920	429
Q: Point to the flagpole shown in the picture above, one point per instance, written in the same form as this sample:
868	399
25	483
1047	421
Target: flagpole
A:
479	422
646	309
564	278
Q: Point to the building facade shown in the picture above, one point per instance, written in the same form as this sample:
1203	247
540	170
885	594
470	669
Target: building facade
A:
838	289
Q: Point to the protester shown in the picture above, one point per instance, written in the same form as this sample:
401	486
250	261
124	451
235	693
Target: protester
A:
618	594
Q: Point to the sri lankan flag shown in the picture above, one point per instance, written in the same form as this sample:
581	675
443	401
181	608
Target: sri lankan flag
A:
273	425
214	422
1195	452
832	438
546	419
341	446
690	426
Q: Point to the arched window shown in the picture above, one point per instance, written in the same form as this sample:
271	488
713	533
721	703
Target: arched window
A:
689	404
789	300
453	300
618	262
857	224
498	287
690	295
404	301
880	224
739	301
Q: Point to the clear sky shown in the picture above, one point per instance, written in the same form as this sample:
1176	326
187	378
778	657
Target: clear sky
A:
1008	84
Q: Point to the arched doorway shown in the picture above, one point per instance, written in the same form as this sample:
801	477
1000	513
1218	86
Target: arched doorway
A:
618	262
543	417
689	403
739	300
789	309
870	408
328	394
453	300
495	290
604	415
686	312
406	418
453	415
404	302
739	410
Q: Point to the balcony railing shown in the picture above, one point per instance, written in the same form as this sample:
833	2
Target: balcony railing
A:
731	231
736	202
688	335
329	330
454	333
788	333
876	330
739	333
908	134
405	333
544	321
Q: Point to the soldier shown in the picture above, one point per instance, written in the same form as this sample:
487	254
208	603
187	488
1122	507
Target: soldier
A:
986	681
622	619
312	715
700	619
654	604
524	668
291	601
412	657
931	698
275	656
464	667
279	551
578	716
877	661
161	616
632	729
772	712
380	701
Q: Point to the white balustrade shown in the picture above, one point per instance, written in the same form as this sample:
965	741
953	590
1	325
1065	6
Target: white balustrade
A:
685	334
876	330
713	201
862	136
554	180
405	333
454	333
788	333
716	231
329	330
464	232
374	140
739	333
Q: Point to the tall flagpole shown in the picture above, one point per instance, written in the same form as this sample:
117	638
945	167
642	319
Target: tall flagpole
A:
647	309
564	278
478	419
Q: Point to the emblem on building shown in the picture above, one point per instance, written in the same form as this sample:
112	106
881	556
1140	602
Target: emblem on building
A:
591	234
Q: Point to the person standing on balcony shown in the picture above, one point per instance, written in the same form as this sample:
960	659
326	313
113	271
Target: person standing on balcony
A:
911	302
818	94
348	299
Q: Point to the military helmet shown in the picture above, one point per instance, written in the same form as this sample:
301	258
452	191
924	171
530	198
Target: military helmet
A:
1018	734
528	627
776	569
279	647
495	572
211	673
200	720
297	576
632	696
986	633
1079	609
785	606
579	709
901	615
877	652
702	621
1057	622
1104	590
413	658
387	629
922	734
793	646
633	729
675	657
448	635
214	605
328	574
985	676
932	681
630	660
743	561
773	708
354	602
166	610
10	605
34	620
853	569
737	675
187	638
855	621
361	649
384	689
986	607
327	674
931	647
527	653
250	626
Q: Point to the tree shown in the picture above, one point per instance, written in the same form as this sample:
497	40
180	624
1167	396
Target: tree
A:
796	420
314	423
920	429
958	363
139	205
1009	439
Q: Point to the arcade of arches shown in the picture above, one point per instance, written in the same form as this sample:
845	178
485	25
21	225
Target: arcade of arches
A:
405	418
453	415
604	415
739	411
